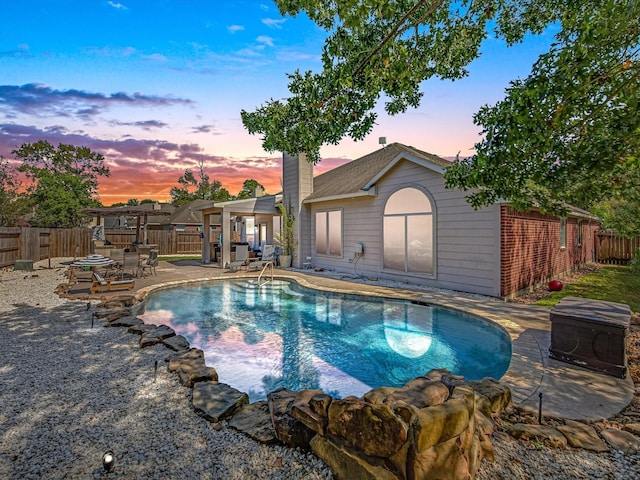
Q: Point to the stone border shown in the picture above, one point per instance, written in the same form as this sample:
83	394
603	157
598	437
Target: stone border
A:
437	424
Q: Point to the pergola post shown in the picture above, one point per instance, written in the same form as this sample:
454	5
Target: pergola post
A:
206	240
225	222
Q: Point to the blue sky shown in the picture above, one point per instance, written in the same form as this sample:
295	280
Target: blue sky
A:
157	85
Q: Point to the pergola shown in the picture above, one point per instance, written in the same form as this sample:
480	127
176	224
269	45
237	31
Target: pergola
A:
141	214
264	207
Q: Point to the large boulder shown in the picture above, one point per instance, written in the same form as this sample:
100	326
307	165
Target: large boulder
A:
311	408
440	423
372	428
344	464
491	396
289	430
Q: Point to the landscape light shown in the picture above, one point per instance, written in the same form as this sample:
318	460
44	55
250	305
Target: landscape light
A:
108	460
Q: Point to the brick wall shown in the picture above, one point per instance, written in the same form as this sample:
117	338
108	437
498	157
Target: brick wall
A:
530	248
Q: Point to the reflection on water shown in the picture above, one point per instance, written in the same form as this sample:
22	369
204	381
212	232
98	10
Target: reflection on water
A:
283	335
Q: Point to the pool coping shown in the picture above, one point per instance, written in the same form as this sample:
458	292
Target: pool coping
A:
568	391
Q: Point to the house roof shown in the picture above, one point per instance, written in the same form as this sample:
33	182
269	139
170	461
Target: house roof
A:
189	214
351	179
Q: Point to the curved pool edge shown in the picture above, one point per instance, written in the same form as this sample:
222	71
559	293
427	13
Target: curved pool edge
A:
569	391
523	376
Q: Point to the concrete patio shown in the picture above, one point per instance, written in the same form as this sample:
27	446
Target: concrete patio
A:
568	391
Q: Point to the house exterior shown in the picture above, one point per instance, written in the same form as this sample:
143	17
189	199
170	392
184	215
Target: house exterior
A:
388	215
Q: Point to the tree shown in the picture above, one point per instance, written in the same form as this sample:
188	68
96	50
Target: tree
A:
249	186
64	181
10	205
545	144
194	188
621	212
569	132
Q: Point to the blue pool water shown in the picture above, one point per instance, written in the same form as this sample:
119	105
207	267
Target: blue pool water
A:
285	335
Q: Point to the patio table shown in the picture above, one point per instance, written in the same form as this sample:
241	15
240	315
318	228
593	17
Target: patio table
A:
92	261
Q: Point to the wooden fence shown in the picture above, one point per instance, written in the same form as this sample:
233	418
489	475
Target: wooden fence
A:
28	243
169	242
613	249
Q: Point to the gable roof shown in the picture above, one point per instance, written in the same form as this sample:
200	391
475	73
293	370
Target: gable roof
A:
354	178
189	214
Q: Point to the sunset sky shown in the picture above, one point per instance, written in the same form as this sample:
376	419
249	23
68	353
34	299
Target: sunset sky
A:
157	85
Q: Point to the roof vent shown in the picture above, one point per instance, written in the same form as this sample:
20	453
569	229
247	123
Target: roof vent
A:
382	141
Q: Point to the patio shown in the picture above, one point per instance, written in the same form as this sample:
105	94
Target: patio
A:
568	391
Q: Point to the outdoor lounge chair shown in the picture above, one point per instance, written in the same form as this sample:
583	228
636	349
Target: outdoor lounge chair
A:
268	255
101	284
242	257
131	263
150	264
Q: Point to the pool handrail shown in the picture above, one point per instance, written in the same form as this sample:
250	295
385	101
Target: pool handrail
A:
268	263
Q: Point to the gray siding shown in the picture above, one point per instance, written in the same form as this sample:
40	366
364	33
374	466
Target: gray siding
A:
467	242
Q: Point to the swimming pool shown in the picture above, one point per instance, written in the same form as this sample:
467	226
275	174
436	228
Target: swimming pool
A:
285	335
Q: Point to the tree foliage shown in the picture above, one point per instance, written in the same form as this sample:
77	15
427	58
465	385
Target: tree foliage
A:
10	205
559	135
63	182
570	131
249	186
198	187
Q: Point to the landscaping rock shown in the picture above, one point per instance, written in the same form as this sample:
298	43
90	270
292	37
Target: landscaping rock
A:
438	424
156	336
142	328
621	440
632	428
177	343
371	428
580	435
549	435
118	302
491	396
122	312
255	420
217	401
189	356
301	410
442	461
125	322
421	393
288	429
346	465
190	374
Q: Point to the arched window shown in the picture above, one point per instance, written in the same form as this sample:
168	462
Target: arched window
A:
408	232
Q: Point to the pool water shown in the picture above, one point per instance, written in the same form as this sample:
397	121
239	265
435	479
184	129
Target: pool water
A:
284	335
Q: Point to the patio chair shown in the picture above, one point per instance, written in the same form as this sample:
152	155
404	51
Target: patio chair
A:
117	255
150	264
101	284
242	257
131	263
268	255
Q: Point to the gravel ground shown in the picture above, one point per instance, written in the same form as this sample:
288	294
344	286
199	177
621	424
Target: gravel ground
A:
70	392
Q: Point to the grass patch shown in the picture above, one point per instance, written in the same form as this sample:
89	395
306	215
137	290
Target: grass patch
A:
612	283
174	258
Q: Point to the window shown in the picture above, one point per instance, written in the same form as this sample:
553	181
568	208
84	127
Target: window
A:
580	234
329	233
563	233
408	232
